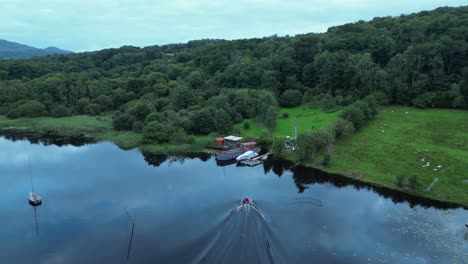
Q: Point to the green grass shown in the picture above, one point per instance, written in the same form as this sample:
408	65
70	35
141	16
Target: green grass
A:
98	128
395	142
200	145
69	125
303	117
123	139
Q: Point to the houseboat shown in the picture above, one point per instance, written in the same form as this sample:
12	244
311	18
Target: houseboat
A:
233	147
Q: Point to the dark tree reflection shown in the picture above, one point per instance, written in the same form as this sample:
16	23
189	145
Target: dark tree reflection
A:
47	138
157	159
154	159
306	176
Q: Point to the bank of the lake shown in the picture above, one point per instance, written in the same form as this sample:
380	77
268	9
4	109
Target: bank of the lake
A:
85	129
99	128
426	143
301	215
394	143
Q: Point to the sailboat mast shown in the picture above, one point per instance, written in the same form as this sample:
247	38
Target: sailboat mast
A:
131	236
37	225
30	174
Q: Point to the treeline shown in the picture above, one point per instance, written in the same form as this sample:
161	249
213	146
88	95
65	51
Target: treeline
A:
206	85
322	140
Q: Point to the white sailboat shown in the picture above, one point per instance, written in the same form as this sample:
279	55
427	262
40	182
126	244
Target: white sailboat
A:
34	198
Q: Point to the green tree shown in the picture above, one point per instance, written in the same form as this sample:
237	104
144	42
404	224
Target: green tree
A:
325	66
195	79
154	116
29	108
326	159
222	121
82	105
155	132
343	128
354	115
104	102
265	141
400	180
291	98
140	110
413	182
203	121
182	97
312	142
328	103
270	117
138	126
277	146
123	122
60	111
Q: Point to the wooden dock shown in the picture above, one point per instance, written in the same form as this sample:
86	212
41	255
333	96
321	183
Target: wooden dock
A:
263	157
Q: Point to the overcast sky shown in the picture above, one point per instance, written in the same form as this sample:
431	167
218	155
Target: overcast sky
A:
96	24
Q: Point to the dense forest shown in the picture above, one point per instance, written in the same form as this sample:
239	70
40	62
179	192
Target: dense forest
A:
207	85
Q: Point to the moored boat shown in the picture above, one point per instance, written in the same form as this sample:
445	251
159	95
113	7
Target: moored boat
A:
240	148
222	163
249	163
229	154
247	155
34	199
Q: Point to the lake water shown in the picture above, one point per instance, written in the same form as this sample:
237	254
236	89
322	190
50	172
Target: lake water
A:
186	210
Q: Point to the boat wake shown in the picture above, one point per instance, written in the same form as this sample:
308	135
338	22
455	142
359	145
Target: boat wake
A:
243	236
308	201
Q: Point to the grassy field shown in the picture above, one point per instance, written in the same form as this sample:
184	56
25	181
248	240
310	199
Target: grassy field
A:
98	128
303	117
403	141
66	125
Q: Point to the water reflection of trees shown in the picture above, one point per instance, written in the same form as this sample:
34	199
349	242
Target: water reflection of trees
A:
276	165
157	159
47	138
305	176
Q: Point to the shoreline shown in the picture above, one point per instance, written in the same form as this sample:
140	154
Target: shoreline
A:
55	137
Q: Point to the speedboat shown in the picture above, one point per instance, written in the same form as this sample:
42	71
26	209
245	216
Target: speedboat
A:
34	199
247	155
246	201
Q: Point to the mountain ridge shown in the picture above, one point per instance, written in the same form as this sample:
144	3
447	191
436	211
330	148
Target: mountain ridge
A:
14	50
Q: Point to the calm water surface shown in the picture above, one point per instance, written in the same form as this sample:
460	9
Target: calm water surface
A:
187	211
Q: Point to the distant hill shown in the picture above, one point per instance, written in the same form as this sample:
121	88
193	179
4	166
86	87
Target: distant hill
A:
13	50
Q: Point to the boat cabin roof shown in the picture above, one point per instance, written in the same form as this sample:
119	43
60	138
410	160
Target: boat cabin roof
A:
232	138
